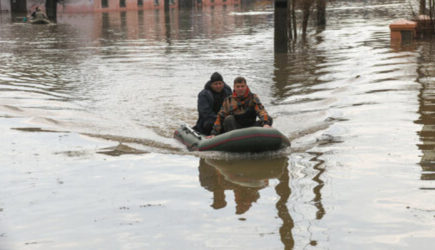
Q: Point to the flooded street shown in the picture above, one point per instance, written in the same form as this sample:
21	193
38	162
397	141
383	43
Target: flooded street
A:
88	108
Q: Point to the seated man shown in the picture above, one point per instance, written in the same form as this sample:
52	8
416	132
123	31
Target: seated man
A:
241	110
210	101
38	14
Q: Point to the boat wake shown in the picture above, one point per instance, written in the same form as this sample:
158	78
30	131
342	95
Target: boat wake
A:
123	138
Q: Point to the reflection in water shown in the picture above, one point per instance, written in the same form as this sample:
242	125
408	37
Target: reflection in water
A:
303	67
120	149
426	73
167	27
113	75
283	190
246	178
124	27
317	194
281	73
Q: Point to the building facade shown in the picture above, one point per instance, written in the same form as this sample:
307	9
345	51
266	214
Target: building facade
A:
80	6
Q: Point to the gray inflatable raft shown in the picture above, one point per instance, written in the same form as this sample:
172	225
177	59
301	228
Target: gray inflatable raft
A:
252	139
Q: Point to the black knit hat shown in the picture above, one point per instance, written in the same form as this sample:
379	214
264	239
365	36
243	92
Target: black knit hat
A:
216	77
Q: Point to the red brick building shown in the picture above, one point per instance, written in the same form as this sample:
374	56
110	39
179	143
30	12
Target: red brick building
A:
71	6
80	6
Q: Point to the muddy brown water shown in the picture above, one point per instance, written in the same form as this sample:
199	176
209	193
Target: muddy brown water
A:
88	107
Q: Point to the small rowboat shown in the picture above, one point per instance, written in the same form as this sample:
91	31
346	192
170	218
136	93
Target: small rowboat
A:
252	139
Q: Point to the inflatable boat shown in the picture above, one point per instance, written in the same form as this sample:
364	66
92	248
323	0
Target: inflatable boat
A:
39	20
252	139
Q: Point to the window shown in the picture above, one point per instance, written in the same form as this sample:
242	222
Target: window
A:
139	2
122	3
104	3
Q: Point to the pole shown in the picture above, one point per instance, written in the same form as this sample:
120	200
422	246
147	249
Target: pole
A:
281	32
321	12
51	9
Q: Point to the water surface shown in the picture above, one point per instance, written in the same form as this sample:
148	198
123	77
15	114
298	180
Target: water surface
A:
88	107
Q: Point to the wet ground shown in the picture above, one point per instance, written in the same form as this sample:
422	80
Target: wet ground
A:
88	107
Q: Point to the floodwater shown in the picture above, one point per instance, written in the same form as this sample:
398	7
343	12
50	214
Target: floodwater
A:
88	108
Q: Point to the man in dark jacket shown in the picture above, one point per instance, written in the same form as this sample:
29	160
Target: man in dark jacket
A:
210	101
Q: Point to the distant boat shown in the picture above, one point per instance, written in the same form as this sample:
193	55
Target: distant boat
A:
252	139
38	17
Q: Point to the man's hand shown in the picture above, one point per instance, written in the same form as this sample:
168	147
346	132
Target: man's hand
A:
266	126
210	136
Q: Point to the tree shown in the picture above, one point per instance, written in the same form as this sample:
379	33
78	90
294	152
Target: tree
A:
286	25
306	9
422	7
293	15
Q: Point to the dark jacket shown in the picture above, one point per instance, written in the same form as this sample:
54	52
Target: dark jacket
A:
209	104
